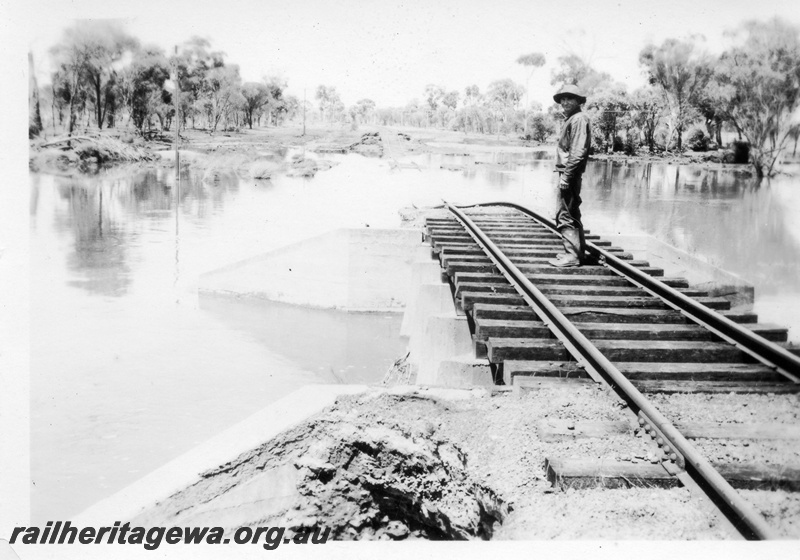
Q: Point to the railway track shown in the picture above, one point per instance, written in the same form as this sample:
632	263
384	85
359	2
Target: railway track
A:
616	321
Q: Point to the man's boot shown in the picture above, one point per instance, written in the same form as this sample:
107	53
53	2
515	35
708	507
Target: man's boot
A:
573	248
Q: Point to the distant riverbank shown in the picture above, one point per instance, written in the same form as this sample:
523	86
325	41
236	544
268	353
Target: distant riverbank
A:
251	152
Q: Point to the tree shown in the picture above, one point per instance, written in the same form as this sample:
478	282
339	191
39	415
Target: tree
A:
472	118
329	101
255	95
276	105
505	92
646	109
62	98
681	72
220	93
608	108
433	95
710	103
290	108
365	108
193	63
533	61
503	97
572	69
337	110
450	100
70	59
34	113
472	95
441	104
89	53
760	91
541	126
142	86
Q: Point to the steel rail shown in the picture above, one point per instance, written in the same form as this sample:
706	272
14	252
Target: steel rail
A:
600	368
765	351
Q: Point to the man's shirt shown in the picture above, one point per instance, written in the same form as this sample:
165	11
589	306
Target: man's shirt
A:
572	150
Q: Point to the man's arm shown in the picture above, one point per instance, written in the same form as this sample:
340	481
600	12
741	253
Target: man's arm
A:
578	149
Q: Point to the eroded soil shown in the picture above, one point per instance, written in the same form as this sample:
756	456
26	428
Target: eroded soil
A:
408	463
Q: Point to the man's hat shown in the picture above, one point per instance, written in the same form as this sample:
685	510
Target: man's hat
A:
570	90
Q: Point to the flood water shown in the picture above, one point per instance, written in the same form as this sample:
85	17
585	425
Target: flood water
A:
130	368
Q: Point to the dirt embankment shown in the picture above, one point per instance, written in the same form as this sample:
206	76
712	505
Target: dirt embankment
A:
349	469
88	152
257	154
410	463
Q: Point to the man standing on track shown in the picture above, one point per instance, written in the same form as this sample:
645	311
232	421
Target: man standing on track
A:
572	153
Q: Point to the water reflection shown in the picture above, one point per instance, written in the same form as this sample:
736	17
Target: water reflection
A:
724	217
100	256
720	214
347	347
497	170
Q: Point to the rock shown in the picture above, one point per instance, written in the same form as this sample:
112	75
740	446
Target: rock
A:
374	150
306	167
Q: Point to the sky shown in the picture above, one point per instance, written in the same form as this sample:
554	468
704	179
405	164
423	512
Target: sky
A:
390	50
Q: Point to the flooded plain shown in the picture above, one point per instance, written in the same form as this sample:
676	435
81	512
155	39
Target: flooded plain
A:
130	368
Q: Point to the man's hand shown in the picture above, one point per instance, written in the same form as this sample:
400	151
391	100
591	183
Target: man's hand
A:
564	184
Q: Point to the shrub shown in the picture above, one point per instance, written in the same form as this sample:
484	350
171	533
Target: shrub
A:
262	169
540	127
631	144
697	140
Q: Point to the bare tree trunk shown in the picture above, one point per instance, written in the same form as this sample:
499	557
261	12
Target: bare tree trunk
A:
98	105
53	111
35	117
72	115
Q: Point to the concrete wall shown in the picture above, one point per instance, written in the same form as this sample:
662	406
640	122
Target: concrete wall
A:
439	342
349	269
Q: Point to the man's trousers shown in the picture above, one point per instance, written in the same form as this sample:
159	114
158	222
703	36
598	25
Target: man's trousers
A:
568	219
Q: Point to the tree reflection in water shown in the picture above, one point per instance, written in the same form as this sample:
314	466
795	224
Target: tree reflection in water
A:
99	258
103	215
724	216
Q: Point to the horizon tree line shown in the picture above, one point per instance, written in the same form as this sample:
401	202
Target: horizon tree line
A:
104	77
